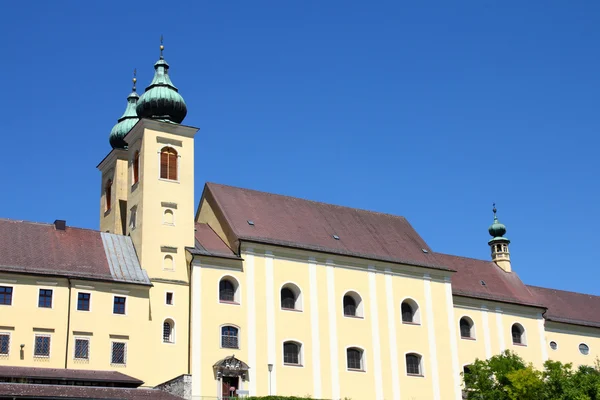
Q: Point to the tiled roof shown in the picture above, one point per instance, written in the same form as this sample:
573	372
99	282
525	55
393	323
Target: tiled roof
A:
497	285
80	375
208	243
41	249
18	390
310	225
569	307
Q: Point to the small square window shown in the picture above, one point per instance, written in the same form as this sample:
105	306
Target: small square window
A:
82	349
169	298
4	344
6	295
118	355
45	299
42	346
119	305
83	301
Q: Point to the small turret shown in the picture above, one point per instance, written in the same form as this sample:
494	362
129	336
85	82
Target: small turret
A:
127	120
161	99
499	244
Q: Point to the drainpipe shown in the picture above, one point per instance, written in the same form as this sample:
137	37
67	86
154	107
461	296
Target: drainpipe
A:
68	325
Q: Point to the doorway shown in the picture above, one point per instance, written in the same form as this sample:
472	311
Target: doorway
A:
230	385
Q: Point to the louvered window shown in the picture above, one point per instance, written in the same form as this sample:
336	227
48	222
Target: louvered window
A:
168	163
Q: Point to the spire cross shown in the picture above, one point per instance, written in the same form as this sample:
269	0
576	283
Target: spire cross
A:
134	78
161	47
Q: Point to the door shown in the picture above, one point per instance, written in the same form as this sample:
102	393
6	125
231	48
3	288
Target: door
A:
230	385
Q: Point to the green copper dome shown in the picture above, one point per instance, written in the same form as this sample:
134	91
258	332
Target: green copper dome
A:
126	122
497	230
161	99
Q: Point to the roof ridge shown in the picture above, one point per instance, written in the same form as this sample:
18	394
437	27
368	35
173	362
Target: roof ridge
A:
52	224
468	258
308	200
561	290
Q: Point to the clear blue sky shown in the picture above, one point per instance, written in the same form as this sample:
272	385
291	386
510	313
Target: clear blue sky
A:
430	110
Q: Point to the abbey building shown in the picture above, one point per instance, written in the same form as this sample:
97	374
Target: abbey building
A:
252	293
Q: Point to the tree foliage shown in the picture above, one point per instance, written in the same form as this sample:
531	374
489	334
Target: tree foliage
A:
507	377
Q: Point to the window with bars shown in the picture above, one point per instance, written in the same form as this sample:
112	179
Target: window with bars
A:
465	328
413	364
119	305
83	301
229	337
354	358
82	349
226	290
6	295
4	344
45	299
288	299
42	346
407	312
517	332
118	353
168	163
168	327
291	353
349	306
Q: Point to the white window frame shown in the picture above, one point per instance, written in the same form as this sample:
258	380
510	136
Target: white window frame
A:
75	339
2	333
588	349
126	304
363	359
421	365
12	295
171	320
112	342
52	298
178	164
172	298
239	337
300	354
416	313
299	303
49	336
523	335
172	269
164	221
360	304
237	295
77	301
472	330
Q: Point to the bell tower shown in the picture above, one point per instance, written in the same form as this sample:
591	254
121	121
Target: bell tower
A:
499	244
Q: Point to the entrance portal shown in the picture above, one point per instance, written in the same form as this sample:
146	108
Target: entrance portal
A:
232	373
230	385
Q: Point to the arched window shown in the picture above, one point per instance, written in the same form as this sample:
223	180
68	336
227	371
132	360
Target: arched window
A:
168	217
354	359
168	328
291	353
136	167
229	290
168	262
518	334
168	163
584	349
410	312
291	297
229	337
108	194
413	364
353	306
466	325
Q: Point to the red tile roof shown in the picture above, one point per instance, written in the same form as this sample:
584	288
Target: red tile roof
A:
208	243
69	374
41	249
17	390
310	225
499	285
569	307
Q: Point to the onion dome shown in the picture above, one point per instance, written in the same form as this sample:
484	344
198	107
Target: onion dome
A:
126	122
161	99
497	230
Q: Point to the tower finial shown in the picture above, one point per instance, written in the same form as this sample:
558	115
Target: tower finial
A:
134	78
494	209
162	47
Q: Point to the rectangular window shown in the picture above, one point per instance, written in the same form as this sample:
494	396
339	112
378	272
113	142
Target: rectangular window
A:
119	305
6	295
45	299
118	355
4	344
83	301
82	349
169	299
42	346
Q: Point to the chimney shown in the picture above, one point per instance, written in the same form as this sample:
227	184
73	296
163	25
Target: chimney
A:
60	224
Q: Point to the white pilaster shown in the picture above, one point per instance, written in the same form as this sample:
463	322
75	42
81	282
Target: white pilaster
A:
196	332
453	339
376	338
333	341
500	329
270	301
391	317
542	331
435	378
314	327
251	304
485	322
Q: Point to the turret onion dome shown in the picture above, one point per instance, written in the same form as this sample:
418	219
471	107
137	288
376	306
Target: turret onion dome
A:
161	99
497	230
127	120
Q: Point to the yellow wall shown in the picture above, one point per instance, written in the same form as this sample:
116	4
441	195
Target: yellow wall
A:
568	338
